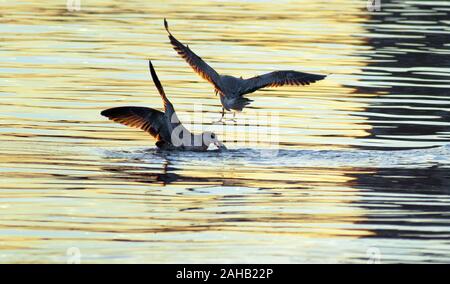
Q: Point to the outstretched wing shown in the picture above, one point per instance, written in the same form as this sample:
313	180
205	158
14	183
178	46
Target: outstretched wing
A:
279	78
199	66
168	107
147	119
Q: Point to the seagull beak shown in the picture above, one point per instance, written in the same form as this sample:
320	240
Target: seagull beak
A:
220	145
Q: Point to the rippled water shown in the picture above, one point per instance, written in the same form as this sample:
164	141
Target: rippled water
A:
362	173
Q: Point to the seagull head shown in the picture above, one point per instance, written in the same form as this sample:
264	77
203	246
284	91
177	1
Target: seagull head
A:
211	138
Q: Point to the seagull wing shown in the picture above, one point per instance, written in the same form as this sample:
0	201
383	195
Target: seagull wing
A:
147	119
168	107
199	66
279	78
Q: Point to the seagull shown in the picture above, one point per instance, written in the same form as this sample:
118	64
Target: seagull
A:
165	127
233	89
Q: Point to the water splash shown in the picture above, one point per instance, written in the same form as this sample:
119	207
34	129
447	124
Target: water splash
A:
417	158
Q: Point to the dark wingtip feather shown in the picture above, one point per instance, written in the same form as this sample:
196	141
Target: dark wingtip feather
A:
166	25
315	77
115	112
105	112
155	78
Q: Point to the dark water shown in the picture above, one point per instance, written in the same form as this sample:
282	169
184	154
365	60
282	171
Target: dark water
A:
361	173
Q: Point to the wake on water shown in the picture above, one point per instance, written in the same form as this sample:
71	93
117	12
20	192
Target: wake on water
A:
417	158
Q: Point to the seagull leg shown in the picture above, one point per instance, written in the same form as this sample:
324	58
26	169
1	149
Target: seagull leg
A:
221	118
234	117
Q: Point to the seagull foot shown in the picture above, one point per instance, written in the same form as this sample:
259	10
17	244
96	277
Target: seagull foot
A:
220	121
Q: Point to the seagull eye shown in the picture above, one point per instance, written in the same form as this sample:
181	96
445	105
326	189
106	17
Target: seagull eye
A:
213	136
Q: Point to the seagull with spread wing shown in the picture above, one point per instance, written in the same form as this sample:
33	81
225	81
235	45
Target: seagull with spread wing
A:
233	89
165	127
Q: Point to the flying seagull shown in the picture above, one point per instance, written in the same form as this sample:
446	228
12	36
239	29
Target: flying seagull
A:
165	127
233	89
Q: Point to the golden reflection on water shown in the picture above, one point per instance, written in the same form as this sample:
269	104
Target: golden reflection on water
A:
101	52
59	189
